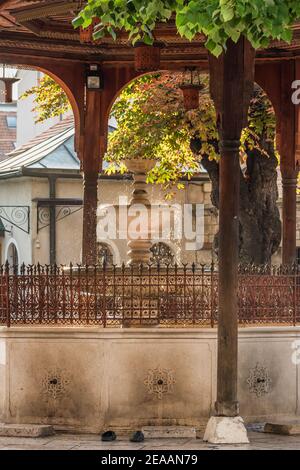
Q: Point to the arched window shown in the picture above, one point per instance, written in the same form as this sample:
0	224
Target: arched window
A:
12	255
104	255
13	258
162	254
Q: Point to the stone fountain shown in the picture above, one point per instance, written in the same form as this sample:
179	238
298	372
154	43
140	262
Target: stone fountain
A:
139	247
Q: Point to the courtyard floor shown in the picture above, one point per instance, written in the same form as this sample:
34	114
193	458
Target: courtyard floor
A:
258	441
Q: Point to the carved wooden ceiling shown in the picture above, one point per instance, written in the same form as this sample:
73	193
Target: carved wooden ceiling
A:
43	28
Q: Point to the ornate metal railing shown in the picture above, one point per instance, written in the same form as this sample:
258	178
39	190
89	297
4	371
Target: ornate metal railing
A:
143	296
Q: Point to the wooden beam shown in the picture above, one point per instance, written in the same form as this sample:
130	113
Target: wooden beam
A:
33	26
4	3
32	50
33	12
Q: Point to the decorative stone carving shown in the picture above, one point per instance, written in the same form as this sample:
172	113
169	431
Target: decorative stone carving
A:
161	254
159	382
55	383
259	380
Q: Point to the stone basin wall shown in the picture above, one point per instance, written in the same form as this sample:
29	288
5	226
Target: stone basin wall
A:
90	379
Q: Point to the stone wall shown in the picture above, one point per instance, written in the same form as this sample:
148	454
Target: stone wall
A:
91	379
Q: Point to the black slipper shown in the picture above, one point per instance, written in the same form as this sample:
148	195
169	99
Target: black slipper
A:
108	436
138	436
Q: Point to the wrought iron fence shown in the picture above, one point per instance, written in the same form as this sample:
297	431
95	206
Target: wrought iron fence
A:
143	296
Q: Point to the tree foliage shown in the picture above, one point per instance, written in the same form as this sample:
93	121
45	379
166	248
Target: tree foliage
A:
153	123
49	98
219	20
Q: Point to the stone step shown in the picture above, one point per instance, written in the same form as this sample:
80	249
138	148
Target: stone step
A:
25	430
169	432
287	429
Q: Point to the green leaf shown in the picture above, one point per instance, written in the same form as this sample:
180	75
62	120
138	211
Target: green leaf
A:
214	48
287	35
77	21
219	20
227	12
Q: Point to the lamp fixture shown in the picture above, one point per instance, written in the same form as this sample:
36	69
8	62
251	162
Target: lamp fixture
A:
191	86
94	78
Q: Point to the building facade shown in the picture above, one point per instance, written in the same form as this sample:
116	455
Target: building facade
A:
41	200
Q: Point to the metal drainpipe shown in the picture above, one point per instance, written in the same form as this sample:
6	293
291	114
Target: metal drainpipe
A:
52	244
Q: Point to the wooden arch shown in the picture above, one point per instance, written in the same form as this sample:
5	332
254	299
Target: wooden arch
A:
70	78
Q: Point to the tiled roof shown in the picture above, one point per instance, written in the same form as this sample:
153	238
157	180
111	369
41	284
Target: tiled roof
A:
53	150
65	124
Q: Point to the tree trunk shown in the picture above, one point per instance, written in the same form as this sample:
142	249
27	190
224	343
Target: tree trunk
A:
260	225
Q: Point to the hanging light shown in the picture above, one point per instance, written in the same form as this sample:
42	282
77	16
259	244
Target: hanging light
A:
8	82
147	58
191	86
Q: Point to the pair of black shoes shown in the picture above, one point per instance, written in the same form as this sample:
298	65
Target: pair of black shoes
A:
110	436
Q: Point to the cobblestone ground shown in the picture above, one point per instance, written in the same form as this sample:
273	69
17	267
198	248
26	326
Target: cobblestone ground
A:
258	441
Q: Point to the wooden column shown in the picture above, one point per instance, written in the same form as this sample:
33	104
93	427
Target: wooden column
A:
91	165
289	133
297	134
92	147
52	221
232	78
90	204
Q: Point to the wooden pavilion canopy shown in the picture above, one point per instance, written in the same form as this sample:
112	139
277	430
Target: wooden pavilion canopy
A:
43	28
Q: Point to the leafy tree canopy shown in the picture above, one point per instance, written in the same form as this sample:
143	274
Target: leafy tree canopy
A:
49	98
153	123
219	20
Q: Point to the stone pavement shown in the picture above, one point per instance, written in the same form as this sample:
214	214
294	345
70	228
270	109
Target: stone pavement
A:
258	441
